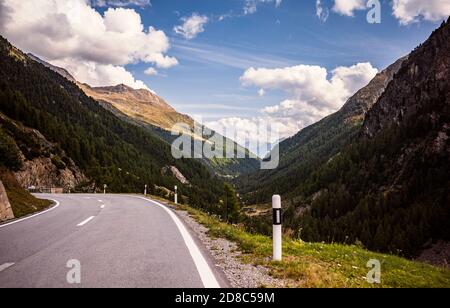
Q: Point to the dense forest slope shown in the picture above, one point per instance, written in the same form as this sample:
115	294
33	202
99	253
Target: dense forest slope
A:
389	188
105	148
146	109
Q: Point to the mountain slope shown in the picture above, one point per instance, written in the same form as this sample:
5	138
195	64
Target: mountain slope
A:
315	145
106	148
149	111
141	105
144	108
389	189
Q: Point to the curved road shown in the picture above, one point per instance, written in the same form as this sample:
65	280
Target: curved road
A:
119	241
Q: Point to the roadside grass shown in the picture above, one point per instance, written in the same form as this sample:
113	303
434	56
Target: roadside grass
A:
317	265
22	202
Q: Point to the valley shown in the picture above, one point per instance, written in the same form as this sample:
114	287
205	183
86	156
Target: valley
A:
89	169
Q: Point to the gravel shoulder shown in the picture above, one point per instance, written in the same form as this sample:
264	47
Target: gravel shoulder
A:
228	258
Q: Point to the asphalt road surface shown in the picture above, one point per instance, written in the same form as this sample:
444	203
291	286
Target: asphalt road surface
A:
104	241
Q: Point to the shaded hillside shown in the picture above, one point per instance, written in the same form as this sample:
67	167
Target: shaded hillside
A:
389	189
315	145
107	149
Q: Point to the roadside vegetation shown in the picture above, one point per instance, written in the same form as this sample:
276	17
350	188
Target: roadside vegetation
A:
313	265
319	265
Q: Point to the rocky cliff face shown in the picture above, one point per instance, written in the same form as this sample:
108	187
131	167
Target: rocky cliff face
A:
360	103
43	164
421	89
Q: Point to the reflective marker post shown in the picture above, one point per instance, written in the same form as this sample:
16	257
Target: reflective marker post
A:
176	195
145	191
277	221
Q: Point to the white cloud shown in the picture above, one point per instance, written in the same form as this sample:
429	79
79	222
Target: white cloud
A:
89	44
310	83
258	134
261	92
321	12
347	7
98	75
410	11
406	11
251	6
192	26
312	93
151	71
119	3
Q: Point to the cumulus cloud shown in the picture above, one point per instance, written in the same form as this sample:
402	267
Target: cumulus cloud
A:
410	11
151	71
347	7
312	93
310	84
90	45
192	26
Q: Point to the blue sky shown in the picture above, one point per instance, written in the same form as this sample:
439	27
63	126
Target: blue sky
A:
305	64
206	82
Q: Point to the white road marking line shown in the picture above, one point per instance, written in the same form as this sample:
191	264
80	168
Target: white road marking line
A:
5	266
100	200
103	206
85	221
207	276
32	216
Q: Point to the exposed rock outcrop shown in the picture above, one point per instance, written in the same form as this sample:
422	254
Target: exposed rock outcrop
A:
43	164
42	173
176	173
6	212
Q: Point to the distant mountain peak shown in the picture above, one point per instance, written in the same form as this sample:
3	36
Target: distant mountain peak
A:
363	100
119	88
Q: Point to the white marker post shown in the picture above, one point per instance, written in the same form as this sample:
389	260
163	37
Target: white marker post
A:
145	191
277	221
104	189
176	195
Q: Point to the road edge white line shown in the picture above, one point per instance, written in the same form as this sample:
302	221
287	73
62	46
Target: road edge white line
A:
85	221
32	216
5	266
206	274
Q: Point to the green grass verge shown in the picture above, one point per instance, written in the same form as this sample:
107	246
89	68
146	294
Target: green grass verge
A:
315	265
